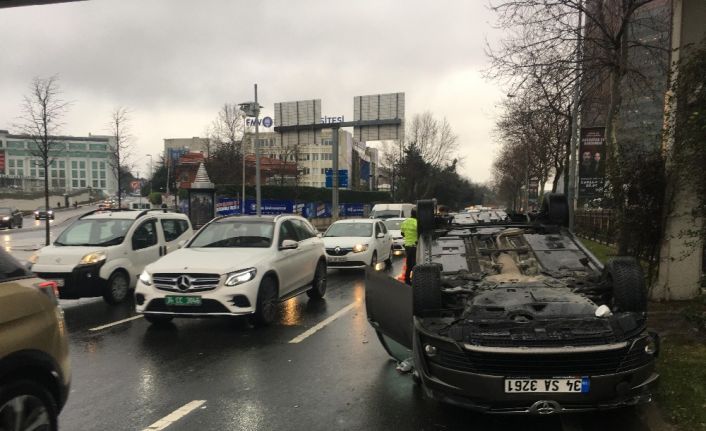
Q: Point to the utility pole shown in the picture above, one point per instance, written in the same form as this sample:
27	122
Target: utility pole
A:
258	196
334	174
242	154
571	189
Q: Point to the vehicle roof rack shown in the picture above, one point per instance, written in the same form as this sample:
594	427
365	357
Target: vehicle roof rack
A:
105	211
162	210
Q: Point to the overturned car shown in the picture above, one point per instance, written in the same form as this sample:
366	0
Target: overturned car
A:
516	316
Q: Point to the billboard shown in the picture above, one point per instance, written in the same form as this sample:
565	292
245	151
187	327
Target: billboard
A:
379	107
298	113
591	163
2	161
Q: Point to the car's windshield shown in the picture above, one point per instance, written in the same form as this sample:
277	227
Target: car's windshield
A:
95	232
385	213
350	229
393	224
231	233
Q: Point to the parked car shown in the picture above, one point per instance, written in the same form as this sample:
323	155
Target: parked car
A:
10	217
393	226
235	265
43	213
517	317
385	211
35	371
356	243
103	252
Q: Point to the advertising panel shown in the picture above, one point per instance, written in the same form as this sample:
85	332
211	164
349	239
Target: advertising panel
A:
200	207
2	161
591	163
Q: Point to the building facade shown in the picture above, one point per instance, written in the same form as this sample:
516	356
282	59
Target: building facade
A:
176	147
77	163
313	153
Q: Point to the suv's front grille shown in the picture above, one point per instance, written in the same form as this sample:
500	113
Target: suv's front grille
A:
338	251
174	282
551	364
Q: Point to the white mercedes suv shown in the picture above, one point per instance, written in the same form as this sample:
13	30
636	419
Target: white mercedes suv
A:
235	265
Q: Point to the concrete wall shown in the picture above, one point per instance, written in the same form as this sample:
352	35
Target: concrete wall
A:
32	204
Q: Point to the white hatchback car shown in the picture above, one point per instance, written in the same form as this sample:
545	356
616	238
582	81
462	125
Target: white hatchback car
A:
393	226
355	243
104	251
235	265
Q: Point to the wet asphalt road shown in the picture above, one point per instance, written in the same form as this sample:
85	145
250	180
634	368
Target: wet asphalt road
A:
132	375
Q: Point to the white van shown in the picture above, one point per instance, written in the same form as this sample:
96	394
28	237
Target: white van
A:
385	211
103	252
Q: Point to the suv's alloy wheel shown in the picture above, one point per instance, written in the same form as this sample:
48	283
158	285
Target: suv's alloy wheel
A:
318	287
266	311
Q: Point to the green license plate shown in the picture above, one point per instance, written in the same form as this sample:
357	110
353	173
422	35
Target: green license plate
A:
183	300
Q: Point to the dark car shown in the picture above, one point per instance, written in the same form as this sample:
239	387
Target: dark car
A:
517	316
43	213
10	217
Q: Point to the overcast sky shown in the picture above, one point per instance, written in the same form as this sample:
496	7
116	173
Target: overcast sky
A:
174	63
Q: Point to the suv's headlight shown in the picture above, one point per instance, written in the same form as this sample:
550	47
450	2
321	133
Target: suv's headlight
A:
146	278
239	277
359	248
91	258
6	218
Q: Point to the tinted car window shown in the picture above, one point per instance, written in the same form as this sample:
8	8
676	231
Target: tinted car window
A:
145	235
173	228
303	231
228	233
287	231
10	267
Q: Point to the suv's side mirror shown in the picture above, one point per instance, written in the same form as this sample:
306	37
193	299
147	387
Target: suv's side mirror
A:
289	244
182	243
380	235
319	235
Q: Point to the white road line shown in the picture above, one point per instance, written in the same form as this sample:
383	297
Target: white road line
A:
175	415
314	329
108	325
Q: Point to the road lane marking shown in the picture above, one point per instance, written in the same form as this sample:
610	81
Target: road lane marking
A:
314	329
108	325
175	415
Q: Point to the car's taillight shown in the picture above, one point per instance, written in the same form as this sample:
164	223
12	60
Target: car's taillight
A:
49	288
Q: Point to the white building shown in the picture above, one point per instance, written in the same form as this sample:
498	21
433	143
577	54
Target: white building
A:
77	163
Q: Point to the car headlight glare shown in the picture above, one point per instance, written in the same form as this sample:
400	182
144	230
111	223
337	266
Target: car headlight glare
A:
359	248
91	258
5	218
240	277
146	278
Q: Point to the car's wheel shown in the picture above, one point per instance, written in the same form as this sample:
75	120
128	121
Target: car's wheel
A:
266	308
426	290
318	287
27	405
158	319
374	259
629	291
117	288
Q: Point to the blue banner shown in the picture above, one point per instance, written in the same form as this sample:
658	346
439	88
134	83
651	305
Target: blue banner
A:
230	206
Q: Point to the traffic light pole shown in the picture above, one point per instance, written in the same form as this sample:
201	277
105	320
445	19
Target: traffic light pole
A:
334	173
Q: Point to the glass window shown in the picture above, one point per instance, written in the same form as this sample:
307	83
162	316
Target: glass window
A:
95	232
145	235
229	233
303	231
287	231
173	228
350	229
393	224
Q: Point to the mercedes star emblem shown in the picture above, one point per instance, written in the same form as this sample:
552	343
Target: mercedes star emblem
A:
184	282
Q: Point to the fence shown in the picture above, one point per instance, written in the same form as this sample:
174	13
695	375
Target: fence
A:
597	225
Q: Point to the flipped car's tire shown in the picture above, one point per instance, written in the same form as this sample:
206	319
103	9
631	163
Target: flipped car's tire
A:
627	280
117	288
425	215
158	319
25	403
555	209
426	290
318	286
266	308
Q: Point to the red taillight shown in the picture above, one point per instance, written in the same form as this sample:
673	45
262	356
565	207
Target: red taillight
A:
51	288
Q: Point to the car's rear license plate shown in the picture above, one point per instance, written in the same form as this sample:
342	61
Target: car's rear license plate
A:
559	385
336	259
182	300
59	281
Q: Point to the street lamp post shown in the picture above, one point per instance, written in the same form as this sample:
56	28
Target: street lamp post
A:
252	109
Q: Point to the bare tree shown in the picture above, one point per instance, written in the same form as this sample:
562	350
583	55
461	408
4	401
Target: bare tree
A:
226	152
42	111
121	152
433	138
